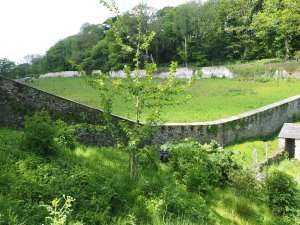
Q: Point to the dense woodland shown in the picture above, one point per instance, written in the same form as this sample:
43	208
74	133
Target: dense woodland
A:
194	34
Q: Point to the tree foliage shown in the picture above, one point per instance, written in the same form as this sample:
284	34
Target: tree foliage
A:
194	33
6	67
144	93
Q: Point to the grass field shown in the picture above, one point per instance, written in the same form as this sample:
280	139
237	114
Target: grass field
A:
211	99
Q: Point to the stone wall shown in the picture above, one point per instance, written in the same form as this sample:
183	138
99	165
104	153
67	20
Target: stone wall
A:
260	123
16	100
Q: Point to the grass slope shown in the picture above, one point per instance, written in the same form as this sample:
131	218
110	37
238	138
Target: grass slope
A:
246	148
210	99
98	180
263	68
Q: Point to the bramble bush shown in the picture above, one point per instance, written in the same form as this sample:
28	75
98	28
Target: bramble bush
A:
189	164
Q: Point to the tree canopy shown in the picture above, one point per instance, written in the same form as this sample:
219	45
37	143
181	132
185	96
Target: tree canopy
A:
195	33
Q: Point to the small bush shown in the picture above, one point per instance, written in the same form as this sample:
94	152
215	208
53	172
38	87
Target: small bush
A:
222	163
45	137
190	165
199	166
148	158
282	193
39	134
65	135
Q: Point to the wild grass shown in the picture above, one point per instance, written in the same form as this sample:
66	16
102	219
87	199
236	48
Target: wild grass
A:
291	167
98	180
210	99
234	209
262	68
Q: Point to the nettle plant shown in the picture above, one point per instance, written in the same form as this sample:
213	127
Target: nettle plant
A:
147	95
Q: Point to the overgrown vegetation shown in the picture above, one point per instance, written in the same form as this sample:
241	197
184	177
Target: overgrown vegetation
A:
282	192
44	137
200	184
171	193
265	68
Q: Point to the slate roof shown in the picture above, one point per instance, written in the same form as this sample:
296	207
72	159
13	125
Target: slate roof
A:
290	130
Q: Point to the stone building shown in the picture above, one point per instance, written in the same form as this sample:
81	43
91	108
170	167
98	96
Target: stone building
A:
289	139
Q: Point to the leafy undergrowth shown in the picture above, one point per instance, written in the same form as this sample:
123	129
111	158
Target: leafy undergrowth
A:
211	99
98	180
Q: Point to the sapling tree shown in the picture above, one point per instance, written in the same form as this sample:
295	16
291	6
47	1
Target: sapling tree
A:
147	95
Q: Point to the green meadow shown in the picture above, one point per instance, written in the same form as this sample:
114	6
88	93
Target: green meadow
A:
211	99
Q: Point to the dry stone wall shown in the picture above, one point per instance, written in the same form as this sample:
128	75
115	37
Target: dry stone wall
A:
17	100
260	123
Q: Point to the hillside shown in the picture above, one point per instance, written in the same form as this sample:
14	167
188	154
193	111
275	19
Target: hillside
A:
98	181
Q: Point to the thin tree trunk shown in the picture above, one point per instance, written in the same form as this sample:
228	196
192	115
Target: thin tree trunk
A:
133	164
185	51
133	151
287	49
147	55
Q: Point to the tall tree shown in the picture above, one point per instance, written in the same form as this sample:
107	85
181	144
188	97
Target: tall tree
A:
277	24
237	17
89	36
6	67
58	57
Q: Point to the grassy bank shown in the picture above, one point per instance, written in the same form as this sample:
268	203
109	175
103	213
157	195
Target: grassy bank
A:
262	68
246	149
210	99
98	180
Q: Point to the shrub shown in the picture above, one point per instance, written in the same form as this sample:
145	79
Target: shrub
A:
199	166
148	158
222	162
39	134
65	135
189	164
282	193
46	137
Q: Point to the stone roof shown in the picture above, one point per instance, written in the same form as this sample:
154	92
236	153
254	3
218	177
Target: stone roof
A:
290	130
